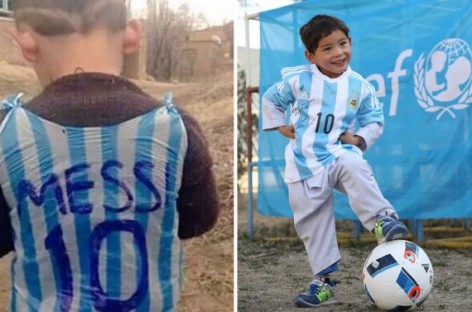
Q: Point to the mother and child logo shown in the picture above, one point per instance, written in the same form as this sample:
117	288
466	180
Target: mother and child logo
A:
446	78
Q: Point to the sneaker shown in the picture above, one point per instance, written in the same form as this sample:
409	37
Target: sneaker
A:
388	228
318	294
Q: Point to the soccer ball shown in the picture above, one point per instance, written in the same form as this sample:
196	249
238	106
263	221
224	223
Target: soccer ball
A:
397	276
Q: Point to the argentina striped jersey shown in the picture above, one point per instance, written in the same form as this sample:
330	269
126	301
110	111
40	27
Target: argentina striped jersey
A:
93	212
321	109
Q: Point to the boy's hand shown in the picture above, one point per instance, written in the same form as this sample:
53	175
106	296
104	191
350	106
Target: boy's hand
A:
348	138
287	131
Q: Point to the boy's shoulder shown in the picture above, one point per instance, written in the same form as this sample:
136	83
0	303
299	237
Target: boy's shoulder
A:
355	75
296	70
9	103
364	84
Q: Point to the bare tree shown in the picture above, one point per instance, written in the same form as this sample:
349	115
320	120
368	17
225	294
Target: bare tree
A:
166	31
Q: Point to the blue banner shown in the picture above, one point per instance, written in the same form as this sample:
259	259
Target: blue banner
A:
417	55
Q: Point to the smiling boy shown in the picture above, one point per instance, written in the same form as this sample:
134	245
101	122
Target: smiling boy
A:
326	99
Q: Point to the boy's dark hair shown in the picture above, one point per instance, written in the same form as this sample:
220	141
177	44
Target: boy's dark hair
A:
319	27
62	17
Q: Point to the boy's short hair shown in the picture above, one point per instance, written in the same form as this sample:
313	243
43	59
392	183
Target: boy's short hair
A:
319	27
62	17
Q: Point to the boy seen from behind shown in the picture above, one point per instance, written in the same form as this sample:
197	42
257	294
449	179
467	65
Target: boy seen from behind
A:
99	181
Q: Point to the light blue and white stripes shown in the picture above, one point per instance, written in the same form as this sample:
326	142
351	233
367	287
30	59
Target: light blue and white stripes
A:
321	109
94	212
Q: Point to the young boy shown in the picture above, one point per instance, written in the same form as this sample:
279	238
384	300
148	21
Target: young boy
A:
99	181
326	98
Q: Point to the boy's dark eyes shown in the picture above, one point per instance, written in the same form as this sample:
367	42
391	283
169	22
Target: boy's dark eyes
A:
342	43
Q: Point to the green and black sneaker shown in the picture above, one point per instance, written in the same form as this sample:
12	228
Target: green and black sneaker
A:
388	228
319	293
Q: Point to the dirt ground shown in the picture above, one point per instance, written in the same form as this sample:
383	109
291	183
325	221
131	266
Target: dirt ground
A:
208	284
273	268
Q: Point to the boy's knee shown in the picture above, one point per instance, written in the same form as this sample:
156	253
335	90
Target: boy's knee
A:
350	161
353	166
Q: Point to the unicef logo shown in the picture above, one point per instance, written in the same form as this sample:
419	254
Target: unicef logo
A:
443	84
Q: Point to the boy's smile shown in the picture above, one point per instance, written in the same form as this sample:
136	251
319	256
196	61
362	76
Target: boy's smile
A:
332	55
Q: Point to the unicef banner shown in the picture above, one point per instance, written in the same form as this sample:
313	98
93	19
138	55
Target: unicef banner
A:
417	54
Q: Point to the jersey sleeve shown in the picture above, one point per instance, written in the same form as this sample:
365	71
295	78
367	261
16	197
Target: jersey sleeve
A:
275	101
370	116
198	203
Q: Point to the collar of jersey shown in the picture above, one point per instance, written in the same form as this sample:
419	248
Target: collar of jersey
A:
318	73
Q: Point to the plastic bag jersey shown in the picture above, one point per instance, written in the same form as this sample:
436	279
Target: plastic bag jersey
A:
93	211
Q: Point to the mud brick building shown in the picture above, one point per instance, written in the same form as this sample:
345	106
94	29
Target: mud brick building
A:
207	51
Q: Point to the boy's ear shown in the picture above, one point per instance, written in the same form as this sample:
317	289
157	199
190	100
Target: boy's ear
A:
27	43
310	57
132	37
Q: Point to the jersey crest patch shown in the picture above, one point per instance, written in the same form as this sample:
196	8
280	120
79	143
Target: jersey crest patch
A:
353	102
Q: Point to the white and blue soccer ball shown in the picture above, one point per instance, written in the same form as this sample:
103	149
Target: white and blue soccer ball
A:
398	276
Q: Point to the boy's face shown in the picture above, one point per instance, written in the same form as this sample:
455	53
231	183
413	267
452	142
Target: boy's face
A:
332	55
